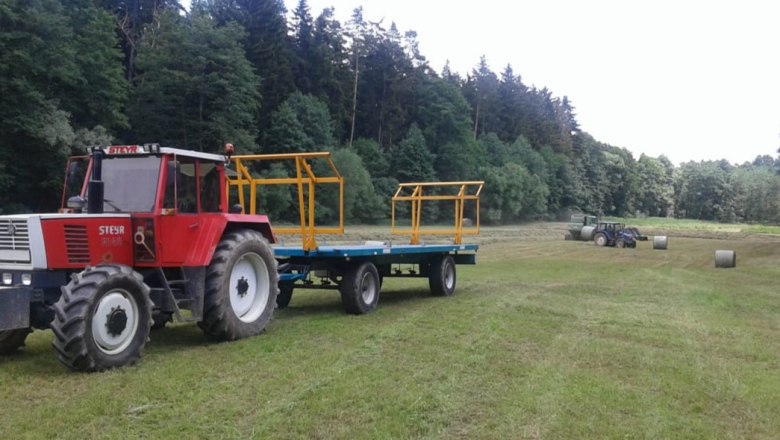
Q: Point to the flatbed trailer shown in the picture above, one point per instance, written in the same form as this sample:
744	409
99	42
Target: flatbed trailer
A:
358	271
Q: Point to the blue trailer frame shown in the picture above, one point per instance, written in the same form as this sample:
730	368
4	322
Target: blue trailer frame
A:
358	271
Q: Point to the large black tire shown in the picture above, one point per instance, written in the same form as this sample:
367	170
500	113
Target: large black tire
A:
102	319
600	239
11	340
284	296
241	287
442	276
359	289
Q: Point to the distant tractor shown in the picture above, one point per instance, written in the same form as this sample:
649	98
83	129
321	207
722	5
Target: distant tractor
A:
613	234
147	237
581	227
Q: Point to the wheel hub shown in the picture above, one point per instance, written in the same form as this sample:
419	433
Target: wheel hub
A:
116	321
242	287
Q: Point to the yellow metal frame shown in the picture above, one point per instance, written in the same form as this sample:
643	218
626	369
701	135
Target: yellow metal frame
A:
414	193
304	175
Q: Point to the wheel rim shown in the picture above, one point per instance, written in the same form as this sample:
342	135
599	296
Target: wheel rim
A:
115	321
449	276
249	287
368	288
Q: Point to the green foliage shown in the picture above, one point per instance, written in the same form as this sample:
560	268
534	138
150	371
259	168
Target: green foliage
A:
302	123
361	202
267	46
512	193
59	73
194	88
411	161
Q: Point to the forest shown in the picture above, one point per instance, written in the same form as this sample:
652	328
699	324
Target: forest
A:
75	73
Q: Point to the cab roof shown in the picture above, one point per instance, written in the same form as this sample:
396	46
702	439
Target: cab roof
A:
155	149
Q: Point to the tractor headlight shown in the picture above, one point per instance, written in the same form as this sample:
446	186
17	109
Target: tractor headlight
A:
27	279
8	279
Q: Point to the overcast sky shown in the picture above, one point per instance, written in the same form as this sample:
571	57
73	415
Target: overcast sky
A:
692	79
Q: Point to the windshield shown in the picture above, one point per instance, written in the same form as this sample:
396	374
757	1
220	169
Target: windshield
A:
130	183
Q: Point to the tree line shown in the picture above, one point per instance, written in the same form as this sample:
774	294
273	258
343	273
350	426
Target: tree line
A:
90	72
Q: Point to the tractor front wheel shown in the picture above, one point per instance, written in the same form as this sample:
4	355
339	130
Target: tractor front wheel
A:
11	340
102	318
600	240
241	287
620	243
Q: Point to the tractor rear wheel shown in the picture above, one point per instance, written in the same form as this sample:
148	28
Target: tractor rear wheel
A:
600	239
102	318
359	289
241	287
10	340
441	278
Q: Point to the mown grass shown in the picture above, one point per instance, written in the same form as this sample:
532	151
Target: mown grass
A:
544	338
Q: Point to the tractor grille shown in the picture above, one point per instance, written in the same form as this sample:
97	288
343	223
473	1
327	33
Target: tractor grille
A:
14	240
76	244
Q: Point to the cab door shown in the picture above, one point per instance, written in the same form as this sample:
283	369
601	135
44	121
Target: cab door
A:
179	221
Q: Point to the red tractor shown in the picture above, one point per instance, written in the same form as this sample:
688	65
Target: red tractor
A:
147	238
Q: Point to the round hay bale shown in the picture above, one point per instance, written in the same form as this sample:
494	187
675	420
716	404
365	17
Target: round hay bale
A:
725	259
660	242
587	233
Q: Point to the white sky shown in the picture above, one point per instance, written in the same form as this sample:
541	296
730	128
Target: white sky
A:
689	79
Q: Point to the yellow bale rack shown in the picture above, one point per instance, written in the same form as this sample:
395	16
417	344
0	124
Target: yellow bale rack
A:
304	180
416	193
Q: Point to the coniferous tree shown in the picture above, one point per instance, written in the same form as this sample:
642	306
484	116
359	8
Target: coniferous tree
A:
195	89
267	45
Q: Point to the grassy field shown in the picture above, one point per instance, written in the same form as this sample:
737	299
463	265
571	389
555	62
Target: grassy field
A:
544	338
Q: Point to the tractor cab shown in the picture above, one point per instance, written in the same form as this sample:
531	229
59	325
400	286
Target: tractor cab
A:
163	200
144	179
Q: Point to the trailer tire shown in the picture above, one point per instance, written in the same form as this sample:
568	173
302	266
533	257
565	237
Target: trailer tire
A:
600	239
284	296
102	319
160	319
11	340
442	276
359	289
241	287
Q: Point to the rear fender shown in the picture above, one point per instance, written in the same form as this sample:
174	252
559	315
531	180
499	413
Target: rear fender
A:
258	223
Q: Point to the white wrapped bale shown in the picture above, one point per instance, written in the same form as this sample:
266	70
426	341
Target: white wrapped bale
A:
725	259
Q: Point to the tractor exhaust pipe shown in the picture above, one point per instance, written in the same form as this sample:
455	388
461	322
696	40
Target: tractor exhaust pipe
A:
95	188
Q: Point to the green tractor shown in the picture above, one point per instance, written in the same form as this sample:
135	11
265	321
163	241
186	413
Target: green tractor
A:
581	227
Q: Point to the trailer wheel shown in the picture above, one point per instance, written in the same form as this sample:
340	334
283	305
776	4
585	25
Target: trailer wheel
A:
102	318
442	276
11	340
600	239
160	319
284	296
241	287
359	289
